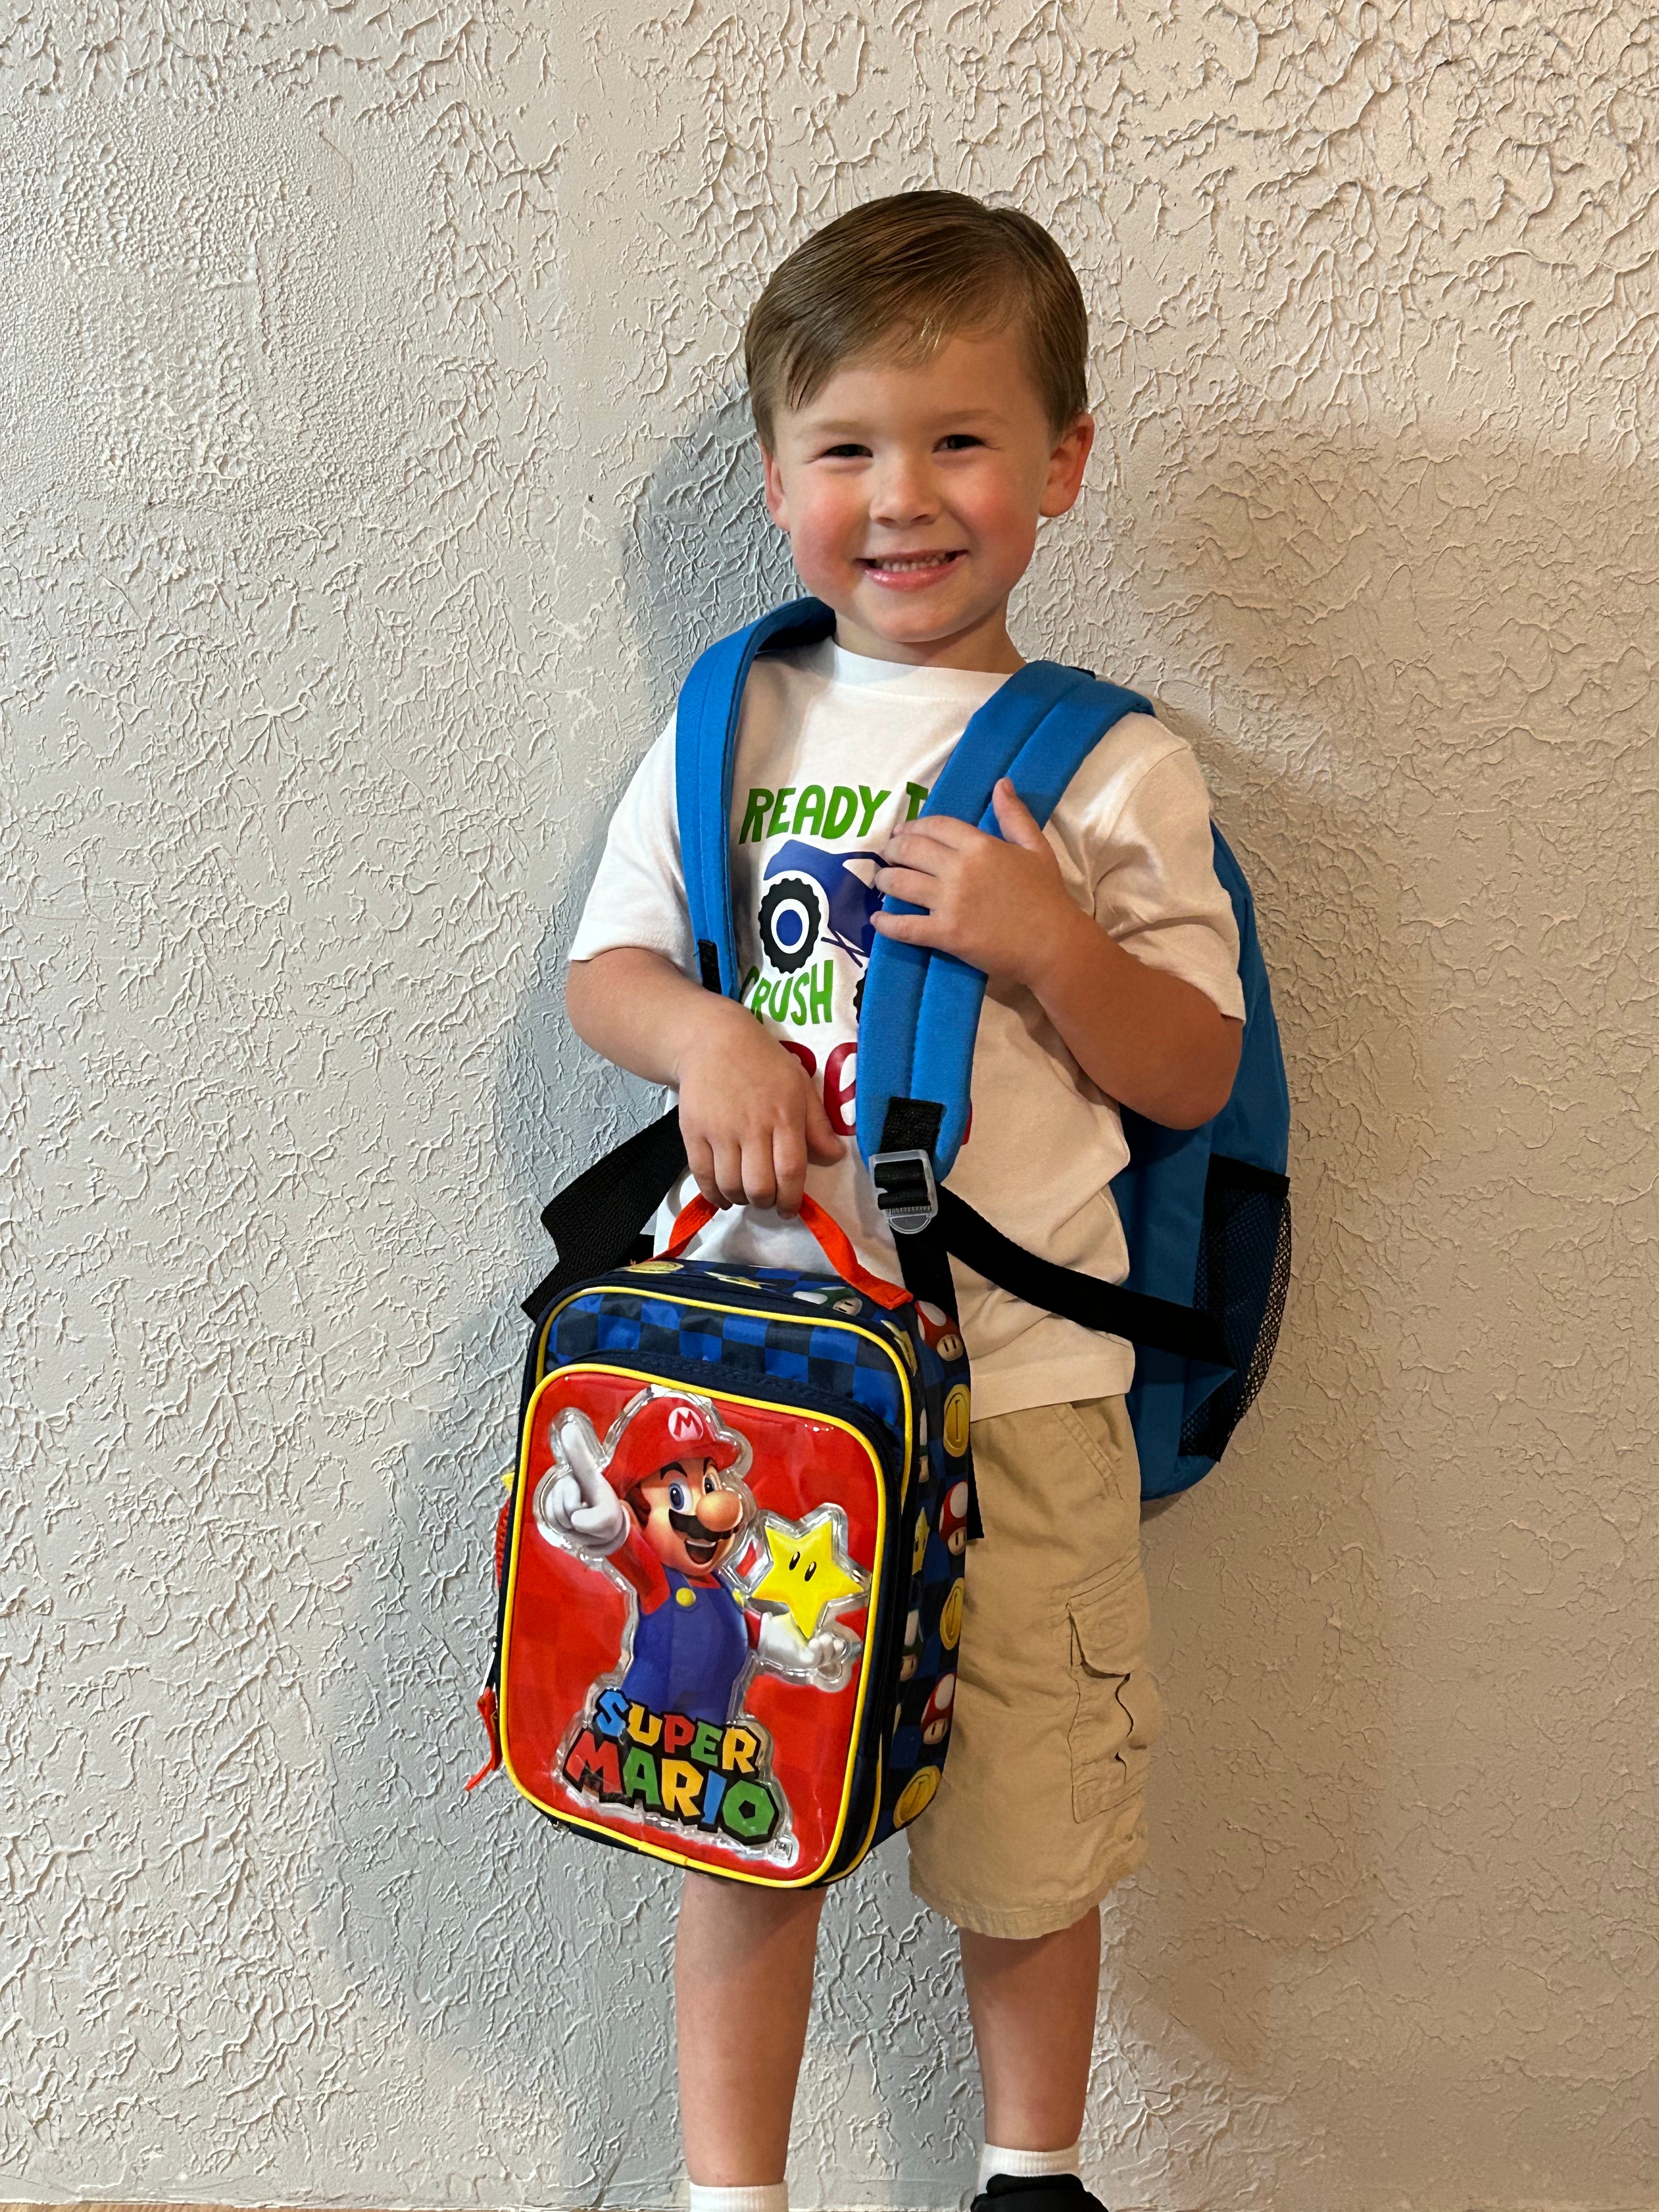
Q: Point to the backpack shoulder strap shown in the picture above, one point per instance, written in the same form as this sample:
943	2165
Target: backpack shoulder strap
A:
921	1008
705	747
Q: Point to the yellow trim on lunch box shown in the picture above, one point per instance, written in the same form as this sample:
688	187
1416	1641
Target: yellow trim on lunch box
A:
597	1827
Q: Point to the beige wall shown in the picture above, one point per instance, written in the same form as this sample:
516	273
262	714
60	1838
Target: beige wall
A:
372	467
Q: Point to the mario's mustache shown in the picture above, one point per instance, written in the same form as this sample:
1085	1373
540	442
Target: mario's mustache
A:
688	1525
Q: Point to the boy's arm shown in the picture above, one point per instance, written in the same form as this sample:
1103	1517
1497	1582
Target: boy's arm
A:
1150	1040
750	1114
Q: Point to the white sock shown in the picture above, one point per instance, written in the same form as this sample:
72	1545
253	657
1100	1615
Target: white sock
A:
764	2196
1017	2165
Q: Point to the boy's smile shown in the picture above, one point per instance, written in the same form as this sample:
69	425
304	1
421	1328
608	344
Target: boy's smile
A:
912	491
905	572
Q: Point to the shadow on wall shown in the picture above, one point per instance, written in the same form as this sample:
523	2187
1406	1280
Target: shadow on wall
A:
1441	659
1268	1590
544	1964
1269	1601
703	557
1269	1609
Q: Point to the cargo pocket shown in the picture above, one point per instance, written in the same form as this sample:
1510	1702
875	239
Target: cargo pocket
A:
1119	1714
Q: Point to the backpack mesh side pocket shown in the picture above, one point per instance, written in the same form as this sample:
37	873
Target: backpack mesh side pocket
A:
1243	1275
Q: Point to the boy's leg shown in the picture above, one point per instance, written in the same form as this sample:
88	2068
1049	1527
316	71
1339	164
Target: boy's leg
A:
1041	1809
1032	2003
743	1987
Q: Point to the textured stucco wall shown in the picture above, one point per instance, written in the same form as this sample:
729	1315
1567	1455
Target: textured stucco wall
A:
372	465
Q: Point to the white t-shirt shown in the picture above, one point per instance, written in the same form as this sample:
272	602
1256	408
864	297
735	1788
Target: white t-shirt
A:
835	751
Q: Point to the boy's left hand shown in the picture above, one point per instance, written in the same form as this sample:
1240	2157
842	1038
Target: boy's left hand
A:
1143	1036
996	903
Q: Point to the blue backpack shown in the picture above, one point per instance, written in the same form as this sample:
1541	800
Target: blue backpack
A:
1205	1211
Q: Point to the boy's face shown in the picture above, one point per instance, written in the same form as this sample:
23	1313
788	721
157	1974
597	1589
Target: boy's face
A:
912	494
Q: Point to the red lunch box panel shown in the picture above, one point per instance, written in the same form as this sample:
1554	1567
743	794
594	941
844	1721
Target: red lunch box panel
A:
619	1673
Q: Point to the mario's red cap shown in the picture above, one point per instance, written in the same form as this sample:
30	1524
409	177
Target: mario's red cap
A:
666	1428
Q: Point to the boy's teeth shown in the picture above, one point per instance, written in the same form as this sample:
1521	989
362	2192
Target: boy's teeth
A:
924	561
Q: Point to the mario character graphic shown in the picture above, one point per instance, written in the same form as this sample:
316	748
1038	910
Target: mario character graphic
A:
721	1590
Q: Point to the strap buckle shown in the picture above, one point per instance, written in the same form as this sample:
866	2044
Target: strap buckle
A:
905	1190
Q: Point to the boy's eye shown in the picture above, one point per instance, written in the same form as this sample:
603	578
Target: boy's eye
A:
959	440
847	452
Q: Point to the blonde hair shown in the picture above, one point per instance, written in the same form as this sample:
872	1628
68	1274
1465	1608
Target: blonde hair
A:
904	275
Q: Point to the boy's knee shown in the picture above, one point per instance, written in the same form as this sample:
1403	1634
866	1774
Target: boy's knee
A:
996	1955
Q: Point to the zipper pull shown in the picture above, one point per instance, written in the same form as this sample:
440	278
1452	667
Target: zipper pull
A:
486	1715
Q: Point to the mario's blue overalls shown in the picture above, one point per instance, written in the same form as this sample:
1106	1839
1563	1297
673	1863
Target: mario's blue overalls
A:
689	1649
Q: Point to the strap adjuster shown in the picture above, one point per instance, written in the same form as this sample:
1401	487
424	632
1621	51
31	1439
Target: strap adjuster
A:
905	1190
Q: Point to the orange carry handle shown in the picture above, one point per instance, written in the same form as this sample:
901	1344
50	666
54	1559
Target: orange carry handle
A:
831	1240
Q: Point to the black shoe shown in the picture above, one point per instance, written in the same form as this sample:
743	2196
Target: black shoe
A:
1035	2193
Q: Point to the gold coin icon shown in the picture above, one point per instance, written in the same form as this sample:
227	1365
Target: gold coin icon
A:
949	1620
956	1421
915	1796
653	1267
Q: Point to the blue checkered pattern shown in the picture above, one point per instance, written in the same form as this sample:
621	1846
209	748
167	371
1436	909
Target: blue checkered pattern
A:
831	1354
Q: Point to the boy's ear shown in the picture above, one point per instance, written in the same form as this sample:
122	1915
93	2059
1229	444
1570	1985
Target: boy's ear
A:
1066	463
772	476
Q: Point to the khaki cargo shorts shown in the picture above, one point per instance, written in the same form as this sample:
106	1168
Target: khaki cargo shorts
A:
1041	1809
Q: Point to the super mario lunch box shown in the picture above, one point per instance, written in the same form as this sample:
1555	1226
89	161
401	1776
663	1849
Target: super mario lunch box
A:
731	1569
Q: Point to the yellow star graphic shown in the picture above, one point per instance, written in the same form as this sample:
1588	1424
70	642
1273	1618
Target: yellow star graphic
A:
805	1574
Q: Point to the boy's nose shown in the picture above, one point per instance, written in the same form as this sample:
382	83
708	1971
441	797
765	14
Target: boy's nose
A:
720	1511
904	494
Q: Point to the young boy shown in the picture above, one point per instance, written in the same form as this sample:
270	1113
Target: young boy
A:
917	375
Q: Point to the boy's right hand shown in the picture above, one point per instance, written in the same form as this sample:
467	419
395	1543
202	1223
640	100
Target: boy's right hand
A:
749	1113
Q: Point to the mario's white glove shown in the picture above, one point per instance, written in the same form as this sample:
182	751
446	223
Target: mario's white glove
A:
573	1504
823	1660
